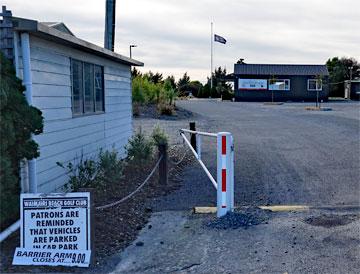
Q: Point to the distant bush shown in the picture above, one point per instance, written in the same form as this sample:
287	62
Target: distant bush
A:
165	109
145	91
140	148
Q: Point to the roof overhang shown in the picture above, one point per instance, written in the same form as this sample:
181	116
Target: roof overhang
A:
48	33
280	69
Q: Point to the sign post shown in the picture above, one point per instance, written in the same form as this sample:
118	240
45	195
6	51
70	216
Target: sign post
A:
55	230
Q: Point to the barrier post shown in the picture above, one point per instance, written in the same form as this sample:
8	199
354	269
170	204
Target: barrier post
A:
163	168
193	136
225	178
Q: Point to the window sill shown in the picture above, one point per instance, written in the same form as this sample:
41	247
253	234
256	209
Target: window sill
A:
87	114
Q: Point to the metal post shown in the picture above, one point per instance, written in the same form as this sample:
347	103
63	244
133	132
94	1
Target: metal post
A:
109	38
198	145
132	46
211	65
193	136
224	173
163	168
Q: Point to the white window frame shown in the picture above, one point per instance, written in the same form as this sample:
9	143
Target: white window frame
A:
278	80
316	85
83	111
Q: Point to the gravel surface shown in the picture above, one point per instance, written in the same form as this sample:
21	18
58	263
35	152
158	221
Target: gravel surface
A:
240	218
283	153
179	243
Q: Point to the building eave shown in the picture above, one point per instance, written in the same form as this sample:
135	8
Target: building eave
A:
43	31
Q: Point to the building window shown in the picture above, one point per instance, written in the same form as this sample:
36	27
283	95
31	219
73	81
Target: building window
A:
87	88
314	84
279	84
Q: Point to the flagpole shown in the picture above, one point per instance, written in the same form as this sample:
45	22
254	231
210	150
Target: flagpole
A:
211	66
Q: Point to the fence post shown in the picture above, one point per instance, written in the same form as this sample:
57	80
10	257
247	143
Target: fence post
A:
163	168
193	136
224	174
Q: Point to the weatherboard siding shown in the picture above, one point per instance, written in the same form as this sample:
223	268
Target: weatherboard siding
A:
65	137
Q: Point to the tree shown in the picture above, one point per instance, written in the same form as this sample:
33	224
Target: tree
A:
170	92
171	79
182	83
18	122
220	87
339	71
155	78
194	87
135	73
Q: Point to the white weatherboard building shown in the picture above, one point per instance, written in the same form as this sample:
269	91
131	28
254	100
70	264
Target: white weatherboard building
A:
83	91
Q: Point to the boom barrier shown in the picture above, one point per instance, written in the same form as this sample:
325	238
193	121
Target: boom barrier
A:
224	183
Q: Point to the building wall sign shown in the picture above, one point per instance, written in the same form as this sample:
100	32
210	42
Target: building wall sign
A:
252	84
55	230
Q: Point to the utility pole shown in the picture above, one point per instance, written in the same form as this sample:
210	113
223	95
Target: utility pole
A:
211	65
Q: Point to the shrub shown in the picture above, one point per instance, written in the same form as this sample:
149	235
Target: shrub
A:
17	123
82	174
110	166
107	168
165	109
137	92
139	148
159	136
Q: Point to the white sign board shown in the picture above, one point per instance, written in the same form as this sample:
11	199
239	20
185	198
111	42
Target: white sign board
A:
55	230
252	84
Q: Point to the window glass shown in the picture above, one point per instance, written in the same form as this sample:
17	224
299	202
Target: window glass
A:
314	84
77	102
279	84
88	87
99	89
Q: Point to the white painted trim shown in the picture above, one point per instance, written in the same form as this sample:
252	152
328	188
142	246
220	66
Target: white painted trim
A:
309	89
27	81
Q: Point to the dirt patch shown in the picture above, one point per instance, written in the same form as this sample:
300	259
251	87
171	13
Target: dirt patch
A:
240	218
331	220
150	111
115	227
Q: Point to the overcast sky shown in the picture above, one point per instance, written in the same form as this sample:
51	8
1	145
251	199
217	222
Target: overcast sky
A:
173	36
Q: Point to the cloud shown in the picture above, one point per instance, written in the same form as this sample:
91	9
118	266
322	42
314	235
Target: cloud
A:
174	36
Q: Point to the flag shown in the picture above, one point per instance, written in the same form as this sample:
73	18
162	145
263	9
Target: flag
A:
218	38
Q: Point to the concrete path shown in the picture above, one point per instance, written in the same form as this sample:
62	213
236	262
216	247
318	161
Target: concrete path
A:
179	243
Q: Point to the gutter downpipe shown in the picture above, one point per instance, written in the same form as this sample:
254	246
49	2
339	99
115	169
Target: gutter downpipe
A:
27	81
24	171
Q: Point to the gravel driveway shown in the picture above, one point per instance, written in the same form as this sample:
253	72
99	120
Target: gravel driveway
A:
284	155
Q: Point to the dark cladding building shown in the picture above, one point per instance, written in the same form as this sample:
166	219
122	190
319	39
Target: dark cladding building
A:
259	82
